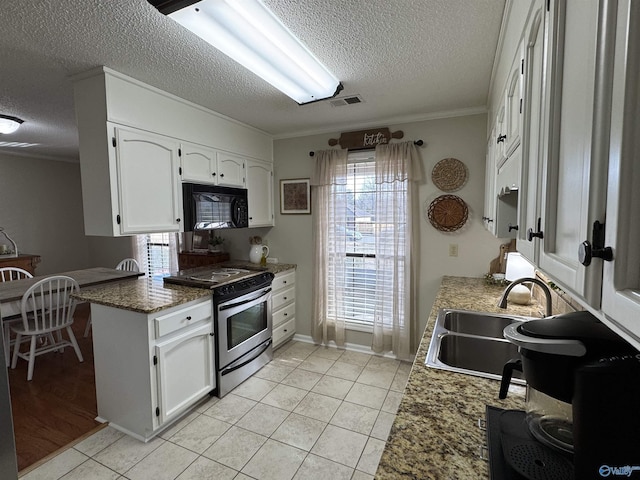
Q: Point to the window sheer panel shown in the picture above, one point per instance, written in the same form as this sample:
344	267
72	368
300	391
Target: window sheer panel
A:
363	244
157	254
328	177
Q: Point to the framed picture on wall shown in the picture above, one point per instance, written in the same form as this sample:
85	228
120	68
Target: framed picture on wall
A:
295	196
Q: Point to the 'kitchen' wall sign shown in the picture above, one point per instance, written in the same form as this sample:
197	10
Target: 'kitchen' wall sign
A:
365	138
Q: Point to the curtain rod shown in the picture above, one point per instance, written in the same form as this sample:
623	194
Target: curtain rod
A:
419	143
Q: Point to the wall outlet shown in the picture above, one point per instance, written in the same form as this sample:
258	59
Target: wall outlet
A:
272	260
453	249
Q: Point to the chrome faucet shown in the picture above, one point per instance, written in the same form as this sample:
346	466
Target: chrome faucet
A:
545	289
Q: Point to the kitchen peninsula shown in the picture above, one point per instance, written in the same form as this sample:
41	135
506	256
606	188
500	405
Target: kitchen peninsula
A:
435	433
154	351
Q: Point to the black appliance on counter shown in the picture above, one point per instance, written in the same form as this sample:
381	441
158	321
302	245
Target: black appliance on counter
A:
582	418
242	319
208	207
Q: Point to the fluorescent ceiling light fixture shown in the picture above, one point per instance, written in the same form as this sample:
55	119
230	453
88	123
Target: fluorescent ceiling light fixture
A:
9	124
249	33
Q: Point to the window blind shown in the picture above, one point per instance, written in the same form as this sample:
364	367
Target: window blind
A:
367	233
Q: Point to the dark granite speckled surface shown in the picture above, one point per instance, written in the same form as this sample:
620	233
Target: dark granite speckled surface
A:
435	434
145	295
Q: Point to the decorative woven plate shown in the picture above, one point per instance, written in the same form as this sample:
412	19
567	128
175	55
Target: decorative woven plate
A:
448	213
449	174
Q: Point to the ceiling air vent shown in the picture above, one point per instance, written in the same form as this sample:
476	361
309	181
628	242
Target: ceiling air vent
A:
352	100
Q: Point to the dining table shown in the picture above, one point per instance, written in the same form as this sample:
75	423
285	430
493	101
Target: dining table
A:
11	292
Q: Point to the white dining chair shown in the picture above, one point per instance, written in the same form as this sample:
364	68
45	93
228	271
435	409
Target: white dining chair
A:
128	265
47	307
8	274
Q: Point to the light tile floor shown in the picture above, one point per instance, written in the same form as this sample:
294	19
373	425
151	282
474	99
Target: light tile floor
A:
312	413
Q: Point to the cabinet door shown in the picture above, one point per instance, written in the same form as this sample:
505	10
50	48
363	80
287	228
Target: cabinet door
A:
529	207
148	185
621	277
198	164
573	187
260	193
185	370
490	196
500	151
230	171
507	187
513	104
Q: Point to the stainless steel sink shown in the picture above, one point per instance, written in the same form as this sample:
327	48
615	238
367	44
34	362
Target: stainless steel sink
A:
471	342
476	323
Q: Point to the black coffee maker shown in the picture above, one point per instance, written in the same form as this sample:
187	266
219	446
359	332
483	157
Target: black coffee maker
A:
583	392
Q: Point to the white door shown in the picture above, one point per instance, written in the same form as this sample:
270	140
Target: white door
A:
513	103
490	185
260	193
185	370
230	171
621	277
573	193
198	164
529	207
148	184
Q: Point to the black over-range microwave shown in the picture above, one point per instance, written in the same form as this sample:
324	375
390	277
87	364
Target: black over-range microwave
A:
207	207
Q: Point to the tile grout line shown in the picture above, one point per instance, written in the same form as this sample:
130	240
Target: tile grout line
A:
297	367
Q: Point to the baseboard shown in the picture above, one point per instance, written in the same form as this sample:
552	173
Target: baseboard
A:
352	347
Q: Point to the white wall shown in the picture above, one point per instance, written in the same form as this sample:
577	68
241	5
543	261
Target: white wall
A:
463	138
41	209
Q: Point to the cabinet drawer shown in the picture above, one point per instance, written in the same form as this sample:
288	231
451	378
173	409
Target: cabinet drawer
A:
171	322
286	313
284	280
279	299
284	331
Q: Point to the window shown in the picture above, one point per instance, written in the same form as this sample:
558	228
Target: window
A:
364	230
156	254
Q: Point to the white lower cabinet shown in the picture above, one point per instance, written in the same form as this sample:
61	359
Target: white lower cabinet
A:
283	305
150	368
183	376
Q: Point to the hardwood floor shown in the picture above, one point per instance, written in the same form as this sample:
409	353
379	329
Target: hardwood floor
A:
59	405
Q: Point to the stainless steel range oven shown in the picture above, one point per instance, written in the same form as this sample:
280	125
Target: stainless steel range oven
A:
242	320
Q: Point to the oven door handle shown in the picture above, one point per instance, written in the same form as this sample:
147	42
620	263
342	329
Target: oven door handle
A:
243	302
233	367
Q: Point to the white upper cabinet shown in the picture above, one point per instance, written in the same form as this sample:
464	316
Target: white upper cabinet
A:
490	196
260	193
507	188
500	152
573	192
210	167
532	120
148	186
231	169
198	164
513	104
131	185
621	277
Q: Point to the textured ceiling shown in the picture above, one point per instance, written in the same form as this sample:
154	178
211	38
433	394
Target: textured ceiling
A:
407	59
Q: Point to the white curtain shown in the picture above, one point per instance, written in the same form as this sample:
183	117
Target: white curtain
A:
141	253
398	169
329	176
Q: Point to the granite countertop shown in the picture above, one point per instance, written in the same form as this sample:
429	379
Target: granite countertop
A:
143	295
435	434
146	295
274	268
